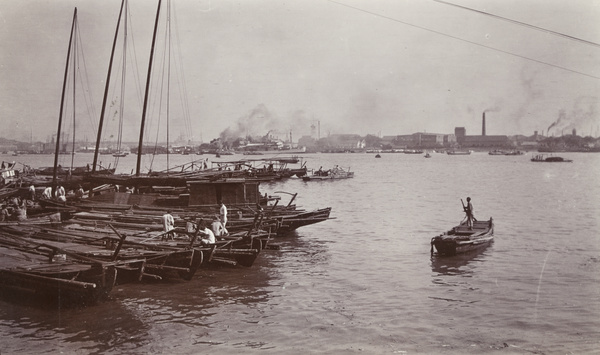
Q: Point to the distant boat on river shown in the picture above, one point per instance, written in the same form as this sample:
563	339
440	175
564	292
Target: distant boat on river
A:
496	152
331	174
459	152
543	158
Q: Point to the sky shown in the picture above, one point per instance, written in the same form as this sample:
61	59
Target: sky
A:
381	67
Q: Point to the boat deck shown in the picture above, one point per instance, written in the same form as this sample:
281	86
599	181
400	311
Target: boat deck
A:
478	227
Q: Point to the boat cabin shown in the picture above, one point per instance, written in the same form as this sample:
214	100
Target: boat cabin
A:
8	174
229	191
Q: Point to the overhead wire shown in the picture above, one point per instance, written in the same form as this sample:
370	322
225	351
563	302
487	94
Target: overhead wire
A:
545	30
463	40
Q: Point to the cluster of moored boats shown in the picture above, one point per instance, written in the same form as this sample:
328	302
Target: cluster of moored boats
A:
108	229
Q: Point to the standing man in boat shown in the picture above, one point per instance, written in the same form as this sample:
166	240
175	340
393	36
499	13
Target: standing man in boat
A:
223	213
168	224
31	192
469	211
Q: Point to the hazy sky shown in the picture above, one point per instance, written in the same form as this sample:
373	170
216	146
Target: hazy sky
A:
356	66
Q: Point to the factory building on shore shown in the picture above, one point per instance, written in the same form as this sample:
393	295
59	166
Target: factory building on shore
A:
458	139
482	141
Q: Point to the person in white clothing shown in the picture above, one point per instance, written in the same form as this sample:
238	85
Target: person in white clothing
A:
61	194
168	224
47	194
208	237
31	192
223	213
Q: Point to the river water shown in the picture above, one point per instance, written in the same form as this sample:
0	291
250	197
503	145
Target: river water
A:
364	281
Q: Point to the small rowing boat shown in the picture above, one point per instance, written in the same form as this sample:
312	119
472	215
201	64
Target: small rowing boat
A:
462	239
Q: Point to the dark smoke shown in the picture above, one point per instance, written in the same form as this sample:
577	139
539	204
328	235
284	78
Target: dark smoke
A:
260	121
583	115
561	116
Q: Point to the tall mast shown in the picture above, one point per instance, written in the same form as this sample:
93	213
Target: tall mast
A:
62	103
168	77
74	106
101	123
141	142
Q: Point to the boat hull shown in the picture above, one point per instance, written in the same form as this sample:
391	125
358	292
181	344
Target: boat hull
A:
328	177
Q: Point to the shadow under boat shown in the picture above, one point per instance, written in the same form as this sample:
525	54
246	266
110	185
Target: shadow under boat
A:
460	264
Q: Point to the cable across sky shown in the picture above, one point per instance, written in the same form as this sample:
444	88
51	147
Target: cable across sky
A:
472	42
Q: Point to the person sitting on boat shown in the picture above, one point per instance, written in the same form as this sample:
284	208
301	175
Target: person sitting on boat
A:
208	237
21	212
4	214
79	193
168	225
320	171
469	212
218	228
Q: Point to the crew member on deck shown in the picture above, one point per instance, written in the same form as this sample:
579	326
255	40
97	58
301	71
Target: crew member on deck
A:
61	195
223	213
21	212
4	214
218	228
47	193
79	193
168	224
32	192
469	212
208	237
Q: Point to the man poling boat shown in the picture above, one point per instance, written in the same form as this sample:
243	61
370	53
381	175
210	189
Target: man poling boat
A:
469	212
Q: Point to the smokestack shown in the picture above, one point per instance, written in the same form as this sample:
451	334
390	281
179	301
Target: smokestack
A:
483	125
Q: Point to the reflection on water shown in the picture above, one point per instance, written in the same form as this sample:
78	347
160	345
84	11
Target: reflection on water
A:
365	280
461	264
103	326
134	314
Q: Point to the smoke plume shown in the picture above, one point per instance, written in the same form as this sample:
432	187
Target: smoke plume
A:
260	121
583	115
